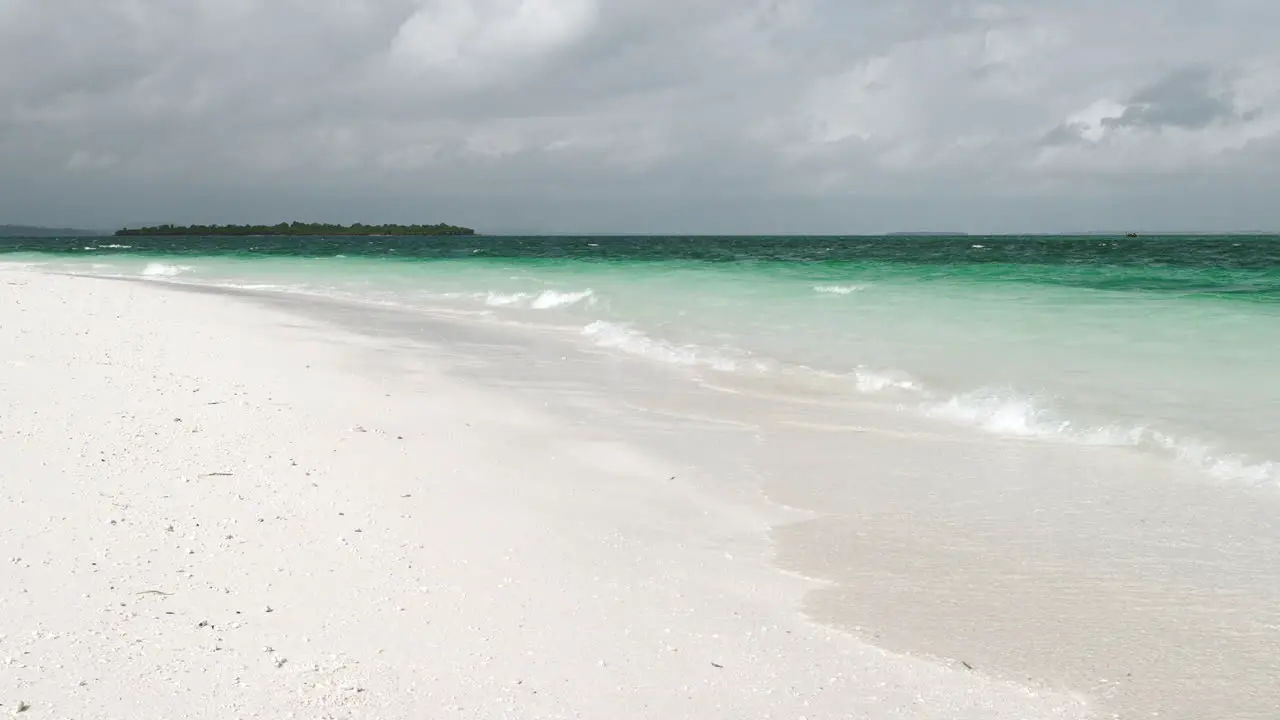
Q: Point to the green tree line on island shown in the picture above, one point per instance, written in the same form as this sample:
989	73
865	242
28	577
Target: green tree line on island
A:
295	228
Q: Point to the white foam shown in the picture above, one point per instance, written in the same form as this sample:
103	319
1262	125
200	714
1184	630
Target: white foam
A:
997	413
1009	414
545	300
878	381
1215	463
159	269
1006	413
838	289
627	339
503	300
554	299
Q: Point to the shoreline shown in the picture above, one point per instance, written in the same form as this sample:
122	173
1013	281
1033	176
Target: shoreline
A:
480	554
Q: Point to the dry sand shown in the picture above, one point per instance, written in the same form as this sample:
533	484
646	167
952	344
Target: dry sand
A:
218	510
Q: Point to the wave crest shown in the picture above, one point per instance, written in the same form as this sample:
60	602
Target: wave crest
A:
627	339
838	289
545	300
1009	414
878	381
159	269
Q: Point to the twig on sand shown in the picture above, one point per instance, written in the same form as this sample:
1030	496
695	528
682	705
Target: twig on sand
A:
218	474
155	592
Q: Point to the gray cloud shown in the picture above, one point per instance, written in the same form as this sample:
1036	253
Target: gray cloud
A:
1190	97
586	114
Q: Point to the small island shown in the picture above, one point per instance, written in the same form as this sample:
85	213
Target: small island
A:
296	229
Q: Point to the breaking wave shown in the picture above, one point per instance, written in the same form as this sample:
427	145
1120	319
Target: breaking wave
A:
995	411
545	300
838	289
1006	413
998	412
1012	415
629	340
159	269
878	381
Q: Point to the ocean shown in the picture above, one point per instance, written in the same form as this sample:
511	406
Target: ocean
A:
1164	345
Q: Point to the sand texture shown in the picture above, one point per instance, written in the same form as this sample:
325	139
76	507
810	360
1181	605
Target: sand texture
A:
217	510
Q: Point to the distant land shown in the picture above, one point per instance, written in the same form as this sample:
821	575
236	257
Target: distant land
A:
33	231
296	229
927	234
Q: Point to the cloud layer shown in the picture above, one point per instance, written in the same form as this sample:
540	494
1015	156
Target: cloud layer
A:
643	115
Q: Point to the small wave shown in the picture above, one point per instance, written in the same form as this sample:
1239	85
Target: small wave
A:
839	289
878	381
1009	414
501	300
117	247
1005	413
629	340
1223	466
545	300
553	299
157	269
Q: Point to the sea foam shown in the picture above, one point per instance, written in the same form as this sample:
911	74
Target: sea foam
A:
545	300
159	269
627	339
878	381
1007	413
838	289
1003	412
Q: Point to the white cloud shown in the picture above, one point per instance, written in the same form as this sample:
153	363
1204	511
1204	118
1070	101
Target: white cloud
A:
465	37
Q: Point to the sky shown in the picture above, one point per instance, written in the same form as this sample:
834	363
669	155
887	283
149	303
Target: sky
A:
664	116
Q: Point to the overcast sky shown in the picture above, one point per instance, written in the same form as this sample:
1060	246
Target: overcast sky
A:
644	115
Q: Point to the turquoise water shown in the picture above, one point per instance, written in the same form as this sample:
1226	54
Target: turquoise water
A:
1165	344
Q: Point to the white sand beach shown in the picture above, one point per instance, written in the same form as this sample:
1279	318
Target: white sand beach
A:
232	503
219	510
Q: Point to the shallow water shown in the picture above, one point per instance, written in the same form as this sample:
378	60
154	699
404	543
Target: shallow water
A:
1165	345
